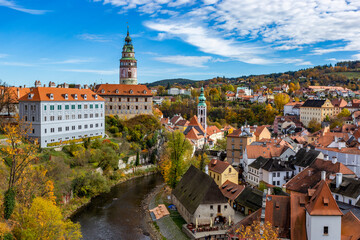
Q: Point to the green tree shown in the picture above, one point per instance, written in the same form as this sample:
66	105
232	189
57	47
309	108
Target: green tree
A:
137	161
176	157
220	145
344	113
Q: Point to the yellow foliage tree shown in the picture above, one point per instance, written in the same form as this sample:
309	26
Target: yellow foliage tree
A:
258	231
280	100
44	221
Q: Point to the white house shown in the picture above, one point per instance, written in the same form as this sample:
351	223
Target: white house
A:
61	114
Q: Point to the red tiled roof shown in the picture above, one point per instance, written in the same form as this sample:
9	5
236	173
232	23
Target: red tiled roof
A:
14	93
123	89
194	121
266	151
59	94
164	121
183	123
322	203
298	216
259	130
277	212
174	119
231	190
350	226
194	134
218	166
210	130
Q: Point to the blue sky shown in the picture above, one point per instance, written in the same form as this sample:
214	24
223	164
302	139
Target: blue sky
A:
80	41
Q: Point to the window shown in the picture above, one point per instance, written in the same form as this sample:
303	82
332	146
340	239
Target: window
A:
72	106
25	107
44	107
45	119
137	99
85	106
336	197
79	106
59	107
274	183
73	128
67	117
278	174
128	107
278	183
218	178
52	118
45	130
136	107
225	207
73	116
110	99
33	119
60	129
96	105
274	175
33	130
86	126
52	130
211	207
67	128
145	107
91	106
79	127
79	116
52	107
67	107
350	201
91	125
59	117
145	99
326	230
119	107
230	170
128	99
85	115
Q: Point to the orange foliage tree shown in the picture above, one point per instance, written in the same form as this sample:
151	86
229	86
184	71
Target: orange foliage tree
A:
258	231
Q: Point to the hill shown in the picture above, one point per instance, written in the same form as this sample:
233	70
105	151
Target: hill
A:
165	82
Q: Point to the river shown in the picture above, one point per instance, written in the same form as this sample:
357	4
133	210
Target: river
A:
118	214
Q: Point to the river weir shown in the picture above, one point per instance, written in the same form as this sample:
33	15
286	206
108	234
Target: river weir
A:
118	214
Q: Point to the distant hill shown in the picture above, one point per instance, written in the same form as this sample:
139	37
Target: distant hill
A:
179	81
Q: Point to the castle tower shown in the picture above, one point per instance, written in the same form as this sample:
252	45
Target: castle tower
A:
128	63
201	113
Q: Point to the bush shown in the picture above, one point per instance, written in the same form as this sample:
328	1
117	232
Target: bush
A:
9	203
114	129
90	185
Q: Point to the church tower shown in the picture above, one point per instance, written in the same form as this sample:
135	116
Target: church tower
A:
201	113
128	63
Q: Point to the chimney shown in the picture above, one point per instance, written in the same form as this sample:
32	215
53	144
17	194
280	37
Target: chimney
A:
323	175
326	157
207	169
334	159
338	179
307	148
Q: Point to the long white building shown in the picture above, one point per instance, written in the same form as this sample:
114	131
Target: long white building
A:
61	114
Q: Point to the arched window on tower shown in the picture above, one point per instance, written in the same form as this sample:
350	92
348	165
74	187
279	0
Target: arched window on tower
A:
129	74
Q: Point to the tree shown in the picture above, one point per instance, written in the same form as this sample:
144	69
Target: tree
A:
314	125
344	113
280	100
258	231
174	160
161	90
137	161
17	155
7	98
220	145
44	221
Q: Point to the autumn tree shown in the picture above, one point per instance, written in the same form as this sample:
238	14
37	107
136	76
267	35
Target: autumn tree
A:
7	98
314	125
175	159
43	220
344	113
18	154
280	100
220	144
258	231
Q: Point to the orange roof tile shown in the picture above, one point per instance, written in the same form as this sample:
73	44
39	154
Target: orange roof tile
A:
298	216
123	90
59	94
218	166
15	93
194	121
231	190
277	212
322	202
350	226
193	134
259	130
266	151
210	130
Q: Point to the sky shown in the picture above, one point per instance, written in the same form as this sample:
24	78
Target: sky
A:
80	41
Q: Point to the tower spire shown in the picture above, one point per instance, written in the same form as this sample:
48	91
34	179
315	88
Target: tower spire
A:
128	30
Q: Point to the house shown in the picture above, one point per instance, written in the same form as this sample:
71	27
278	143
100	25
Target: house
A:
240	91
317	171
277	172
230	96
310	216
124	100
222	171
282	123
61	114
266	150
316	109
304	158
254	169
175	119
249	200
292	108
199	200
339	104
240	138
346	190
157	100
231	191
182	124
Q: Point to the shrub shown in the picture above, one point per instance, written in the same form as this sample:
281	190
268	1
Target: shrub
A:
9	203
114	129
90	185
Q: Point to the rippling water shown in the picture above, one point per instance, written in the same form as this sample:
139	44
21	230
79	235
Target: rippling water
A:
117	214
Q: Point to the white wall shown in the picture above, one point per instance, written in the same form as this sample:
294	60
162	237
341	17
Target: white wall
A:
315	227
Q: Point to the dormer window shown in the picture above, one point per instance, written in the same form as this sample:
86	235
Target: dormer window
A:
102	90
85	96
131	91
30	96
145	92
117	91
96	96
51	96
66	96
75	96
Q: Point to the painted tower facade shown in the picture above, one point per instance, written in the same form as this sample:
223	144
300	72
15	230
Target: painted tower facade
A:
128	63
201	113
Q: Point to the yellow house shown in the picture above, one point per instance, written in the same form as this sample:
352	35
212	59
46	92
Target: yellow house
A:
222	171
316	109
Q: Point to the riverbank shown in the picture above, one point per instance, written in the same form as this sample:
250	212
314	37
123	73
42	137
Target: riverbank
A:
168	227
77	204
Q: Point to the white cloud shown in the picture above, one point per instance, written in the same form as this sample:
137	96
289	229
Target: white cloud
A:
93	37
17	64
95	71
14	6
73	61
189	61
3	55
